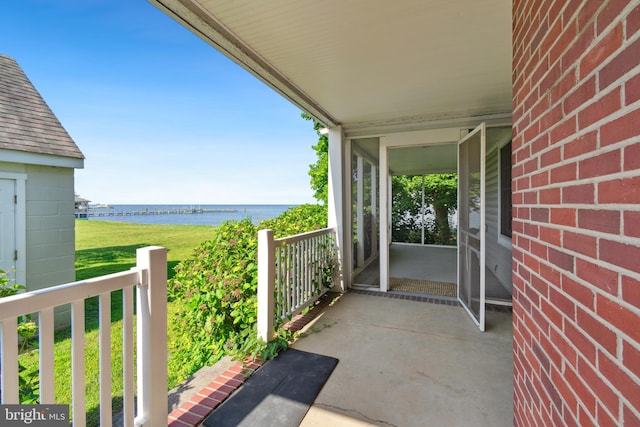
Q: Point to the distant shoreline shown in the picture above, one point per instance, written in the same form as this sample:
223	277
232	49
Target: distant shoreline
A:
109	211
180	214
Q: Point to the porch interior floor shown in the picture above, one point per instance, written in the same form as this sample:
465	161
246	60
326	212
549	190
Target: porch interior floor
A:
410	363
418	262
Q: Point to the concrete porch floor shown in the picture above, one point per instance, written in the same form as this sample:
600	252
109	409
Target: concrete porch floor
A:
410	363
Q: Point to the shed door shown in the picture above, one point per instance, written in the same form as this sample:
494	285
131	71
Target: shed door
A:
471	223
7	226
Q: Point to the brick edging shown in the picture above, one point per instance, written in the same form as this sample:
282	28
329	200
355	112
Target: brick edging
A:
193	412
453	302
409	297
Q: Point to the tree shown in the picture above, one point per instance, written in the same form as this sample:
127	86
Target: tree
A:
319	171
441	191
405	210
440	196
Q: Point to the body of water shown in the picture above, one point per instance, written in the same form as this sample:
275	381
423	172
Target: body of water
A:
185	214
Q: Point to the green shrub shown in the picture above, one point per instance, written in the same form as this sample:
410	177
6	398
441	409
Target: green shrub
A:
296	220
216	292
6	289
215	289
29	387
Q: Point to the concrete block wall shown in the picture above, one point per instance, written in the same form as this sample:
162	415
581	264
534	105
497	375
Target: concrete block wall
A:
576	209
50	235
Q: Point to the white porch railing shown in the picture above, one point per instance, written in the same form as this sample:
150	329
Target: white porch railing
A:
149	277
293	272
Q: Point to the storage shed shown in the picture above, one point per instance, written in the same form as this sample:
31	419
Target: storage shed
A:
37	163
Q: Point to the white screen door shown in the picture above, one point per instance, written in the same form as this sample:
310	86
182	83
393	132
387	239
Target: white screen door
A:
471	223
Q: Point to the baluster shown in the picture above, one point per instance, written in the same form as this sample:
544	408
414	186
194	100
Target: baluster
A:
9	366
105	358
290	275
46	348
309	266
77	362
278	285
127	356
299	282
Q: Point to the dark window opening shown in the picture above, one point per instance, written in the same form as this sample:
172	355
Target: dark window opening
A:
505	190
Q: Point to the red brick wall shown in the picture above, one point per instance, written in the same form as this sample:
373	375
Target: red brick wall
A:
576	226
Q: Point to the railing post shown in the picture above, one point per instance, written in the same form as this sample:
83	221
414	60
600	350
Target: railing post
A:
266	284
152	337
9	370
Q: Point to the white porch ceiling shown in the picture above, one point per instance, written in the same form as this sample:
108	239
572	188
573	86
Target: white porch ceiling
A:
426	159
373	66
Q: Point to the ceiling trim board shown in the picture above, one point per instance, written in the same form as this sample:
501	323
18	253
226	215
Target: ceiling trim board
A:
418	123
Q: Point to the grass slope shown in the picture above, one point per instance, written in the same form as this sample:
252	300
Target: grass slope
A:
102	248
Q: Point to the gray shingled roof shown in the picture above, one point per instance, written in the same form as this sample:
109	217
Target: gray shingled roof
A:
26	121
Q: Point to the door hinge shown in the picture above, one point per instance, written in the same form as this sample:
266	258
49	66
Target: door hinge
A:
15	199
15	255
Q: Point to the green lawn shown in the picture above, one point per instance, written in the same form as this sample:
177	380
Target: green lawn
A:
102	248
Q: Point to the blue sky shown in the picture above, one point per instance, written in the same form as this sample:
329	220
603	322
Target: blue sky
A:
161	116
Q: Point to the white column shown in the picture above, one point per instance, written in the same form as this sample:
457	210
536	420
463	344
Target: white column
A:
360	210
338	201
266	284
347	214
385	216
152	337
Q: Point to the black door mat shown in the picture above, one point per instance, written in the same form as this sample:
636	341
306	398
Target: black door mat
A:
278	394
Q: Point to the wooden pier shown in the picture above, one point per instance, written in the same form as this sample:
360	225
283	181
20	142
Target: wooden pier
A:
92	212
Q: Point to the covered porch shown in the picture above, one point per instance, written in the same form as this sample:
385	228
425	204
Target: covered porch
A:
397	87
410	363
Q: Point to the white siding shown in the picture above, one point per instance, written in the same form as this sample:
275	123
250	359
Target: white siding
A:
50	235
498	257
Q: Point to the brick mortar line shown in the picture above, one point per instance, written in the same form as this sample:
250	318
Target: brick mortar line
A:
612	267
611	327
598	346
616	238
597	38
610	207
607	149
618	83
572	276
